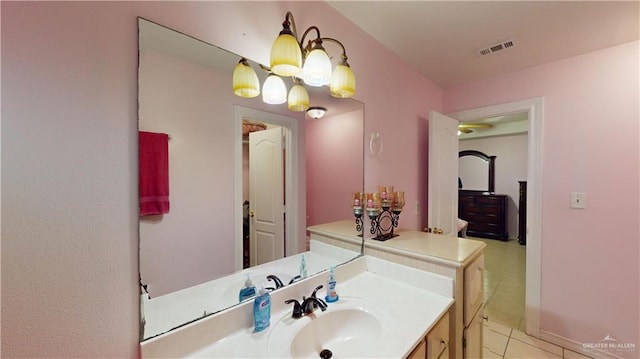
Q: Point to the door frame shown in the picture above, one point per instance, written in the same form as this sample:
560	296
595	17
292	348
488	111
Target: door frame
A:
292	179
534	109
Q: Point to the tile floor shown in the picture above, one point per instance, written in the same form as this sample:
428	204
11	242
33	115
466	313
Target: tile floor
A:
504	289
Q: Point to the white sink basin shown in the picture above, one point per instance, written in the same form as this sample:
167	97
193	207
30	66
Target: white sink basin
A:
351	327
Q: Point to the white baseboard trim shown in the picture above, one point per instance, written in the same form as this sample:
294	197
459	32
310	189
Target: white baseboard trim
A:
576	346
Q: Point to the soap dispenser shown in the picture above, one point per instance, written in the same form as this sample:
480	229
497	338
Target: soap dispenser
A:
303	268
262	310
248	291
332	294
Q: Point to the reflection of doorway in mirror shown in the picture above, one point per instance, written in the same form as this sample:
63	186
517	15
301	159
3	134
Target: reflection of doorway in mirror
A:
272	237
263	177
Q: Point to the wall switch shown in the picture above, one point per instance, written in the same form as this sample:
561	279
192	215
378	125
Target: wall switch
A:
578	200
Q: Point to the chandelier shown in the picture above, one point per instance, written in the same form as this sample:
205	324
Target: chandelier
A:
306	64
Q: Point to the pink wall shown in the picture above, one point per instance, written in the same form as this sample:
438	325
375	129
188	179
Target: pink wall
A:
70	240
334	166
590	275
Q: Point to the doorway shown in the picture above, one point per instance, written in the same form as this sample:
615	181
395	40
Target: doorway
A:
492	162
533	108
291	164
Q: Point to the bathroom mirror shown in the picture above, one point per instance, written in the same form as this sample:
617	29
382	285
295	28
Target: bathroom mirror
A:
476	171
185	91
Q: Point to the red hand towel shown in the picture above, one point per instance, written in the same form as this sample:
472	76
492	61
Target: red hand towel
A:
154	173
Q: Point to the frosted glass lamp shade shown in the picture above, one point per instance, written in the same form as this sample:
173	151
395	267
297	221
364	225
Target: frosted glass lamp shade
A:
343	82
286	56
245	80
274	92
298	99
317	68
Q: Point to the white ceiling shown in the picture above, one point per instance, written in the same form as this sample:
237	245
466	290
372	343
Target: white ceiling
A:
440	38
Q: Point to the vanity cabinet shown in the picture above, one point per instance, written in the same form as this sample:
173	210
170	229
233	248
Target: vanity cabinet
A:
436	344
420	352
460	259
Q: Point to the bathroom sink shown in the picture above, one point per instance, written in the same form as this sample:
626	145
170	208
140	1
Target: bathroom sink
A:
351	327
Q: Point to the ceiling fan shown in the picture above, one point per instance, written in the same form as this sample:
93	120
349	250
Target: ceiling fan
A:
468	128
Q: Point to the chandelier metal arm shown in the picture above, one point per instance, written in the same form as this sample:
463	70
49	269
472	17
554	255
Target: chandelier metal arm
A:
317	40
289	21
344	51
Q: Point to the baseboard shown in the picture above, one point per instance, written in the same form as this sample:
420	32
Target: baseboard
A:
577	347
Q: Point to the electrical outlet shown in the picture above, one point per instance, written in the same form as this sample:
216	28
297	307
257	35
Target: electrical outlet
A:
578	200
417	207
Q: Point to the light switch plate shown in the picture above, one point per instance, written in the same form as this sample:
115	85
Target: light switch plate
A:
578	200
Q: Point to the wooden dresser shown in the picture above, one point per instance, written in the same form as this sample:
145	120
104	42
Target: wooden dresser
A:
486	214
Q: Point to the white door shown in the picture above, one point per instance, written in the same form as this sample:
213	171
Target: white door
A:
266	197
443	173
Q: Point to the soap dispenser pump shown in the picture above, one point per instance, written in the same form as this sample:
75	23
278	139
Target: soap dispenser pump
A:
248	291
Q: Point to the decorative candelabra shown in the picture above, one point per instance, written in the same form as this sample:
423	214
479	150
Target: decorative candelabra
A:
383	209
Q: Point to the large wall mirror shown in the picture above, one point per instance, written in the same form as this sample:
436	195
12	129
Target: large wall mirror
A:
185	91
476	171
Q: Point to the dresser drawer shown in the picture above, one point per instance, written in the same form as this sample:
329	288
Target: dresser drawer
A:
495	200
482	218
473	288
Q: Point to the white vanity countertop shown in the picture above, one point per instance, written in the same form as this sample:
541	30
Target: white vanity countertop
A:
174	309
448	250
409	310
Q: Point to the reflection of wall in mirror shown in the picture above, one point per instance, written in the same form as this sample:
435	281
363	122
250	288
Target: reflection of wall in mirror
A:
334	166
473	172
194	243
511	167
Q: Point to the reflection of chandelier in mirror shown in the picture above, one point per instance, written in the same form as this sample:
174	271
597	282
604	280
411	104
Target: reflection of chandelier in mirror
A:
468	128
316	112
290	57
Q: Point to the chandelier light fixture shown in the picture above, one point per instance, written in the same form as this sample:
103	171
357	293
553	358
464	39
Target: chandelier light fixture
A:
308	63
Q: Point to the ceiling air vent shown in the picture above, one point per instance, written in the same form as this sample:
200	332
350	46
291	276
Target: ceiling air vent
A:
496	47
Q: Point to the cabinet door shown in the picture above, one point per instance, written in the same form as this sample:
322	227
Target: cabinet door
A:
438	338
473	338
473	288
420	352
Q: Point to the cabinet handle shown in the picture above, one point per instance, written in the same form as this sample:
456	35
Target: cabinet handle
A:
485	317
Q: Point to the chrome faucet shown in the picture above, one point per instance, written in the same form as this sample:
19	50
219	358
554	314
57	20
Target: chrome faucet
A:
308	305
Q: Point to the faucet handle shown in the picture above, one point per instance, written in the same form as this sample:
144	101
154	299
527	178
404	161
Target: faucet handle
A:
295	279
297	308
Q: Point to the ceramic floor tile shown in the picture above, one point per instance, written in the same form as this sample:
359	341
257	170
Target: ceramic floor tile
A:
568	354
487	354
505	319
519	350
497	327
524	338
494	341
